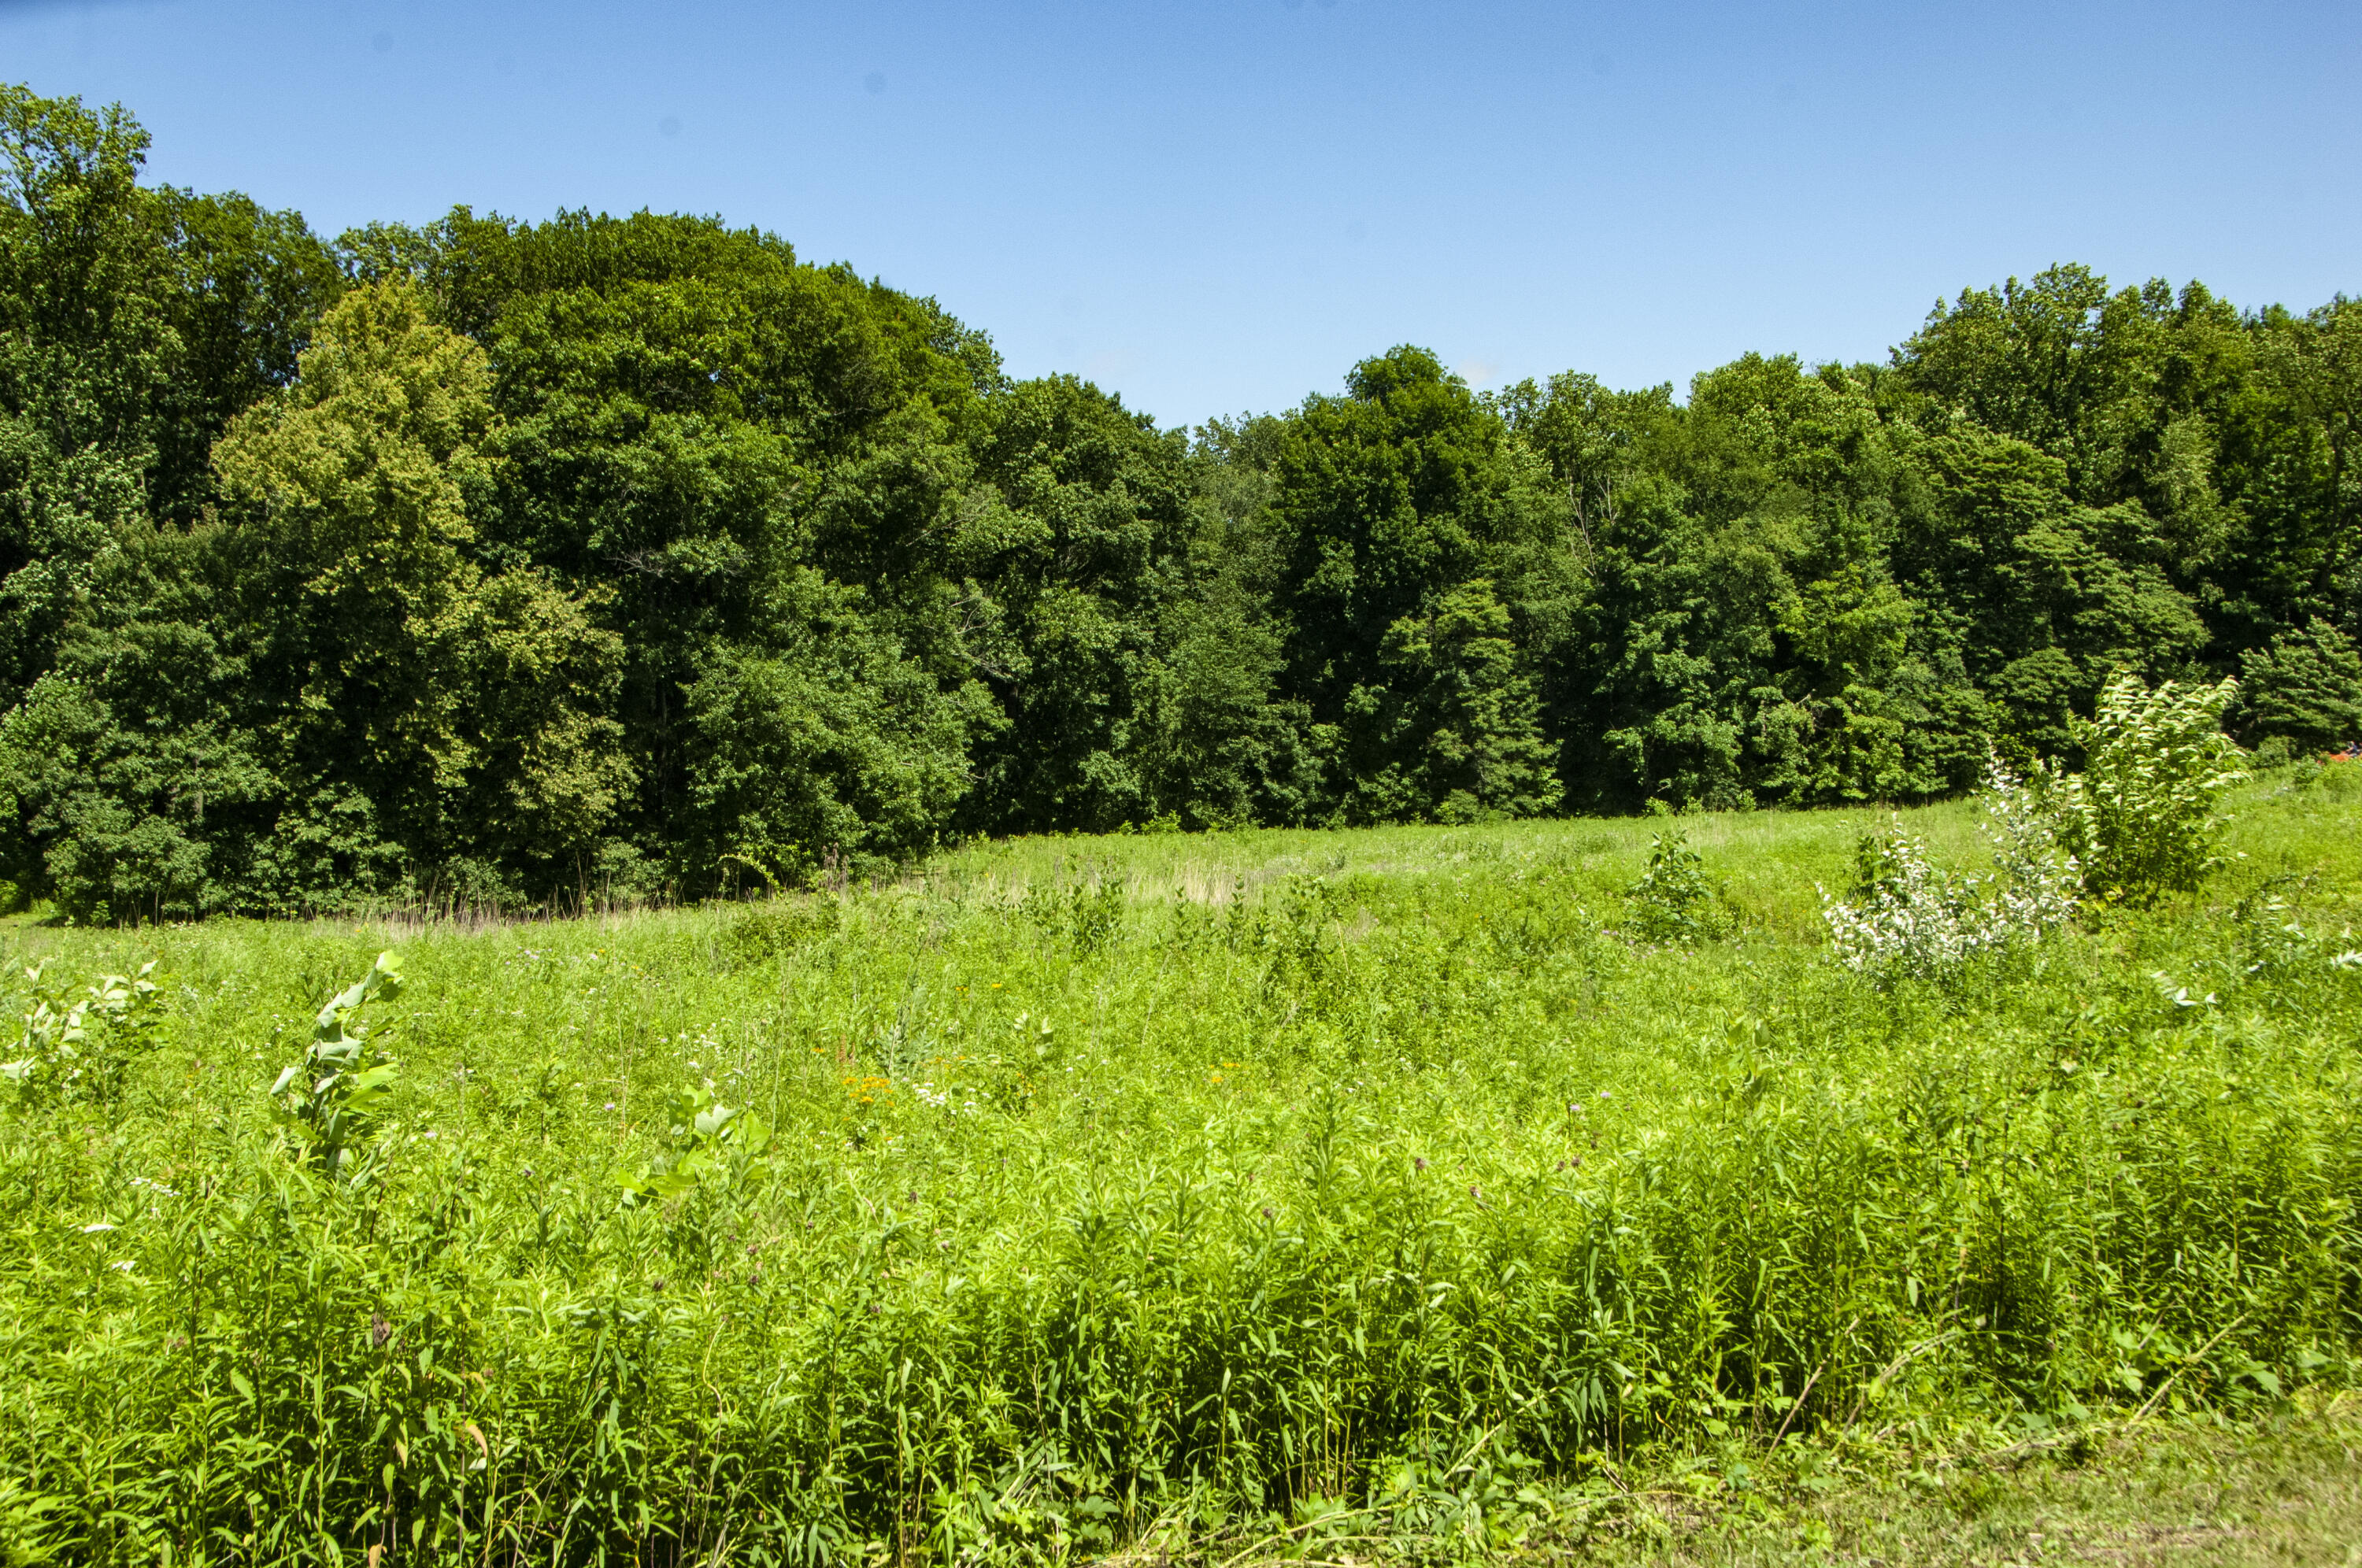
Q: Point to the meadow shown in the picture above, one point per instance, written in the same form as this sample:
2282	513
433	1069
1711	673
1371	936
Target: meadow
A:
1328	1194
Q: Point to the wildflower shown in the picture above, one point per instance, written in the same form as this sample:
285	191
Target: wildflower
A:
1915	918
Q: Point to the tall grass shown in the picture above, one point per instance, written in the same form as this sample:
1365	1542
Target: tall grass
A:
1162	1183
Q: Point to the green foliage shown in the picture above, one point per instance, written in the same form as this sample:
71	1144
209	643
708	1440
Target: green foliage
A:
1462	715
86	349
1298	1196
1421	586
769	932
707	1142
541	564
332	1099
1674	903
80	1047
2142	818
507	564
2304	691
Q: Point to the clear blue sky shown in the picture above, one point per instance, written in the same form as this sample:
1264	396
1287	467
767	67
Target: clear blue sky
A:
1214	206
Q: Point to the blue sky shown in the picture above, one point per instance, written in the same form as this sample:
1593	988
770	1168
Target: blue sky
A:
1214	207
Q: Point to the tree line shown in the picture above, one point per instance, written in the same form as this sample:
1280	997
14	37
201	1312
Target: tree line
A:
506	561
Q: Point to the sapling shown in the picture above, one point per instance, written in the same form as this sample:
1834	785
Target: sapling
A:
2141	817
345	1096
1673	903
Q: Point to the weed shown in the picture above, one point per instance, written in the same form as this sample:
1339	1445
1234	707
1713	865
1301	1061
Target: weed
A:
344	1098
80	1047
1371	1202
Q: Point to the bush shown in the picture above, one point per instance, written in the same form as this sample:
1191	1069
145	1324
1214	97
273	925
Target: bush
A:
1908	917
2304	691
80	1047
1673	903
2140	818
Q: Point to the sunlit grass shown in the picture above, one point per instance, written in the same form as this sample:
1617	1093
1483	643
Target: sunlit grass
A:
1156	1182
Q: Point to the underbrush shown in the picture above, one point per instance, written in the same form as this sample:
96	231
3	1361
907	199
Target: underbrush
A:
1214	1194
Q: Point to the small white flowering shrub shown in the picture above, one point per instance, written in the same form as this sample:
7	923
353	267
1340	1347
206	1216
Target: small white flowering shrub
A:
1910	918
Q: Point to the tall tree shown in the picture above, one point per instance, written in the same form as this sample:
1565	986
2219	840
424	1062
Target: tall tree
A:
1392	499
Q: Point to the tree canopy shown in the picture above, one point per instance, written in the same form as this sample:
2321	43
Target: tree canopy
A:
519	561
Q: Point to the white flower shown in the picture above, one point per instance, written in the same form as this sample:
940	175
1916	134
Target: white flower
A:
1919	920
125	1265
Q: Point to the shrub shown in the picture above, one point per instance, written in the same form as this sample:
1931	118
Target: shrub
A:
80	1047
1908	917
2304	691
1673	903
2141	816
769	931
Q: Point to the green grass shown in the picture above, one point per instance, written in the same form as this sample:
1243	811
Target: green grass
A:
1177	1194
2285	1489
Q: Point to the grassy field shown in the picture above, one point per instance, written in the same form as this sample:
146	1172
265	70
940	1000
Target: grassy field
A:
1336	1196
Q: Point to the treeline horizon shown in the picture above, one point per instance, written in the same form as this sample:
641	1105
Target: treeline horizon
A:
500	560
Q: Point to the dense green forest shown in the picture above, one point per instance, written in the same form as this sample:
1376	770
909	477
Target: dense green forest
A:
509	562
